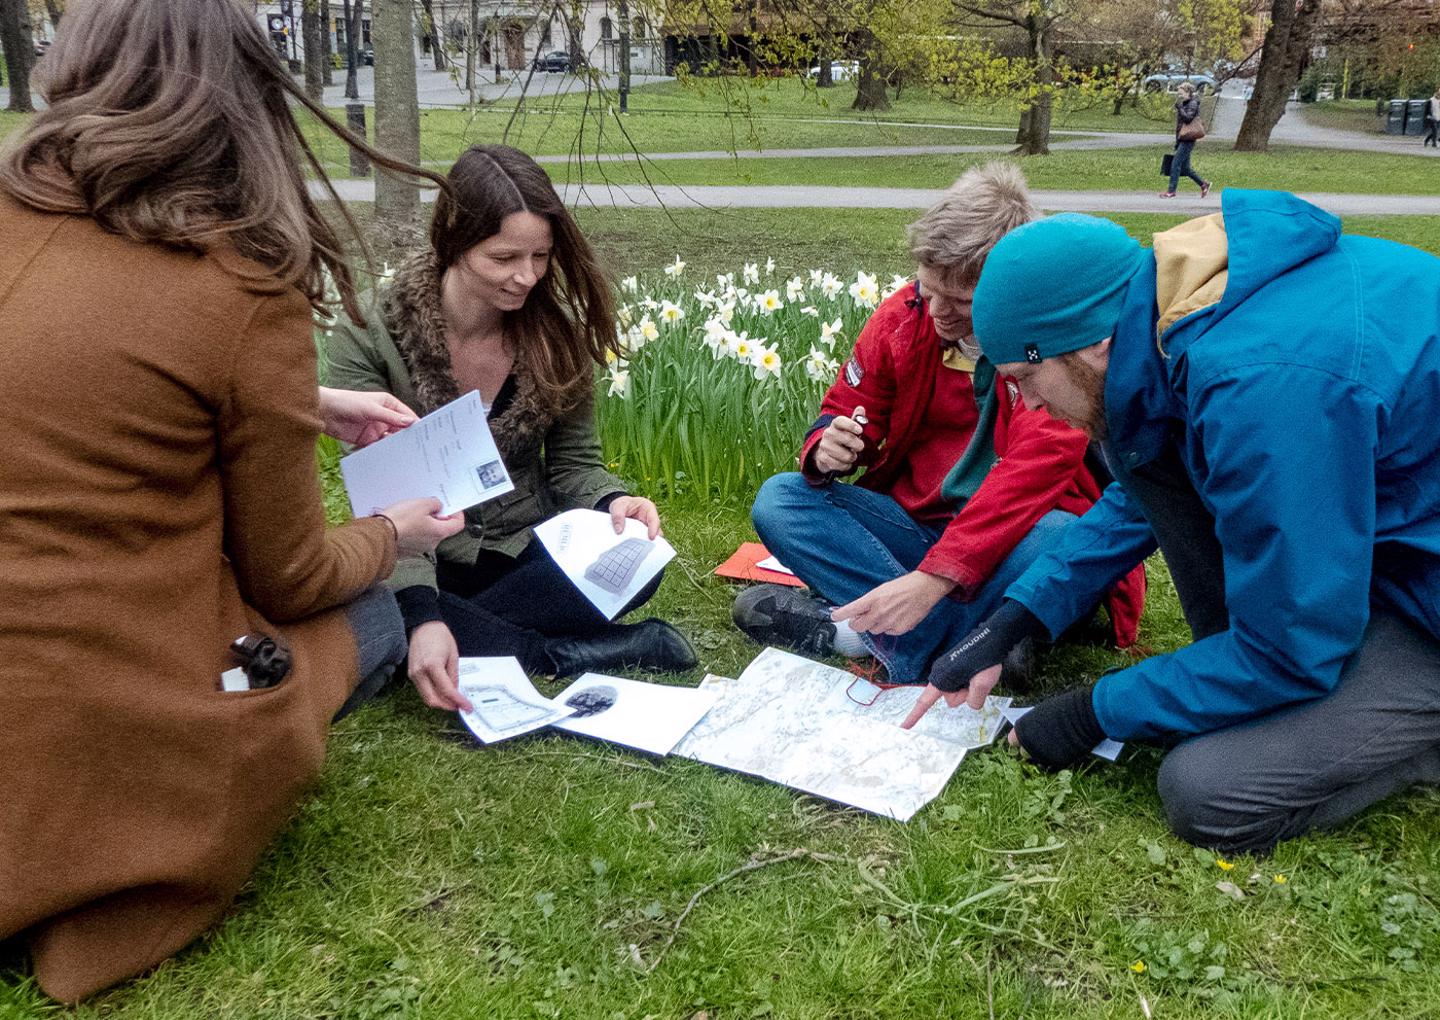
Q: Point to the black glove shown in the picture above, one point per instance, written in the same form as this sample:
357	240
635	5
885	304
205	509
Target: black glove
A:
1061	730
985	646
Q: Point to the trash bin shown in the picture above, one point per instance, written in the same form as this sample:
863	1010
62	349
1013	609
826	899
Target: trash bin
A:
1395	118
1415	119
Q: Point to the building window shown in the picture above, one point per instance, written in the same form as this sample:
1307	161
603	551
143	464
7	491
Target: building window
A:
545	39
607	29
638	30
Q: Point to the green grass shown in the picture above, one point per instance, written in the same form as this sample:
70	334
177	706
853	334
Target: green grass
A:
429	878
1345	115
1285	167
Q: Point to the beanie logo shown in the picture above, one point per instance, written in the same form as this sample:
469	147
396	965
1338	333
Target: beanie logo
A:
1032	354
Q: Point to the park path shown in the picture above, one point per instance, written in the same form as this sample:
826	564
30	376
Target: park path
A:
801	196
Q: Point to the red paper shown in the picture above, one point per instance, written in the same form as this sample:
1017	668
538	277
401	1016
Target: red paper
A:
741	566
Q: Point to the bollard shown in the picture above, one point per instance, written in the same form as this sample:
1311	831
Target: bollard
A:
355	121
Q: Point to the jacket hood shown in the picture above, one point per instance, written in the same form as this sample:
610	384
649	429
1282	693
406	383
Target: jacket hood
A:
1218	261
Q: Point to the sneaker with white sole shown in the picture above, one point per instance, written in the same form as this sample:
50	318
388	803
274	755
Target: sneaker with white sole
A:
777	614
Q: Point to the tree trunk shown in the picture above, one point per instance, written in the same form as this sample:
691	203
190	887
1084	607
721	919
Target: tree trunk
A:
327	47
1034	133
752	59
397	119
432	27
314	50
353	25
623	12
472	48
825	77
1282	61
19	45
870	93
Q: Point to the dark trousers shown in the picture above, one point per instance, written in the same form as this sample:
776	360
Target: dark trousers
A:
1180	165
512	606
1308	766
1431	126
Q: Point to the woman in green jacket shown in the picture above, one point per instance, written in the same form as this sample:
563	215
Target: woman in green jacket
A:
509	300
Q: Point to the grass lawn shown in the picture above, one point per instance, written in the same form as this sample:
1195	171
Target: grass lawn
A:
431	878
1285	167
1345	115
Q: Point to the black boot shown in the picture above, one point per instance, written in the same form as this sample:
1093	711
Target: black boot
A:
651	644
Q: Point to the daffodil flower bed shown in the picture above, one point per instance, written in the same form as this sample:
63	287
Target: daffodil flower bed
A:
721	377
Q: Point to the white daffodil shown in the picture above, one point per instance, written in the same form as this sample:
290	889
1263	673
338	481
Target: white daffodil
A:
706	297
671	313
675	268
816	275
647	329
865	290
831	285
794	289
810	310
769	266
740	345
630	285
649	304
819	366
625	314
713	336
768	302
750	273
766	361
726	312
897	283
830	332
619	383
741	293
724	281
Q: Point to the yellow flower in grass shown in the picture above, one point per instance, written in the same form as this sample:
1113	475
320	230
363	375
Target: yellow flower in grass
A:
1138	966
1223	864
1280	879
675	268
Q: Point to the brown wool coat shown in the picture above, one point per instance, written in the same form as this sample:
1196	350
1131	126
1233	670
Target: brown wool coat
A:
158	498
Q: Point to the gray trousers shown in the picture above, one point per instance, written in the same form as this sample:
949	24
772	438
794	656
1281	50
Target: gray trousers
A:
380	644
1309	766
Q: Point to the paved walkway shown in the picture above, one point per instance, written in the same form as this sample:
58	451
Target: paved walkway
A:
601	195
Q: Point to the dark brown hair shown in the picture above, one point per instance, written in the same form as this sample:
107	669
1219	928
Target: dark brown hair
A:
168	121
568	321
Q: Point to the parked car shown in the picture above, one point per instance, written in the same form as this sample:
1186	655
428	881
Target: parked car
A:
1169	82
555	60
840	70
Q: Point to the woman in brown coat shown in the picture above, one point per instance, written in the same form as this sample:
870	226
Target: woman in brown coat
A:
159	260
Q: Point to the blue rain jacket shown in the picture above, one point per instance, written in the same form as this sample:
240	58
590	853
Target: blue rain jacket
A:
1305	398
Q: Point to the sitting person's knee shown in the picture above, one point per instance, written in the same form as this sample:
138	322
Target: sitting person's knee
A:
1205	808
776	499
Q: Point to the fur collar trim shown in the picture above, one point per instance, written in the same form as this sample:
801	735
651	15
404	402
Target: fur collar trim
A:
412	313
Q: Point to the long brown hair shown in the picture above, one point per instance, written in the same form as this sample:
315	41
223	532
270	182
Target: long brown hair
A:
168	122
568	321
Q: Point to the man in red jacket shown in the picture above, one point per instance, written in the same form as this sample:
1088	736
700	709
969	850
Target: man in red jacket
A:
963	486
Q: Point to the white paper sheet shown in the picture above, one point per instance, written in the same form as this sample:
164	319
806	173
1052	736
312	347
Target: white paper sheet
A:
789	719
607	568
449	454
506	703
645	716
1107	748
771	563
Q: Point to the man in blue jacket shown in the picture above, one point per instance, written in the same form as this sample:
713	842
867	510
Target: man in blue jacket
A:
1267	393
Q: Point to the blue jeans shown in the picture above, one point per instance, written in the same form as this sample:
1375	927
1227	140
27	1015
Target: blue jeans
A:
1180	165
844	541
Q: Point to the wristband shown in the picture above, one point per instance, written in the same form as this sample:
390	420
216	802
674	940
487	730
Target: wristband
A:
393	527
985	646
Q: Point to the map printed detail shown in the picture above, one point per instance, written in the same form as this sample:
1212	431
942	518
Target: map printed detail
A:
791	720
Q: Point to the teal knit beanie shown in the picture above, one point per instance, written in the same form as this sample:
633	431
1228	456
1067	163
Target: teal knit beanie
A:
1053	286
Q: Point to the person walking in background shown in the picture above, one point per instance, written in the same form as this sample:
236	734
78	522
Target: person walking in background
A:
1188	131
1432	118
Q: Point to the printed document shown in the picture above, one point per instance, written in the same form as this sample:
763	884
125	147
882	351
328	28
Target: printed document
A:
505	703
449	454
609	569
645	716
